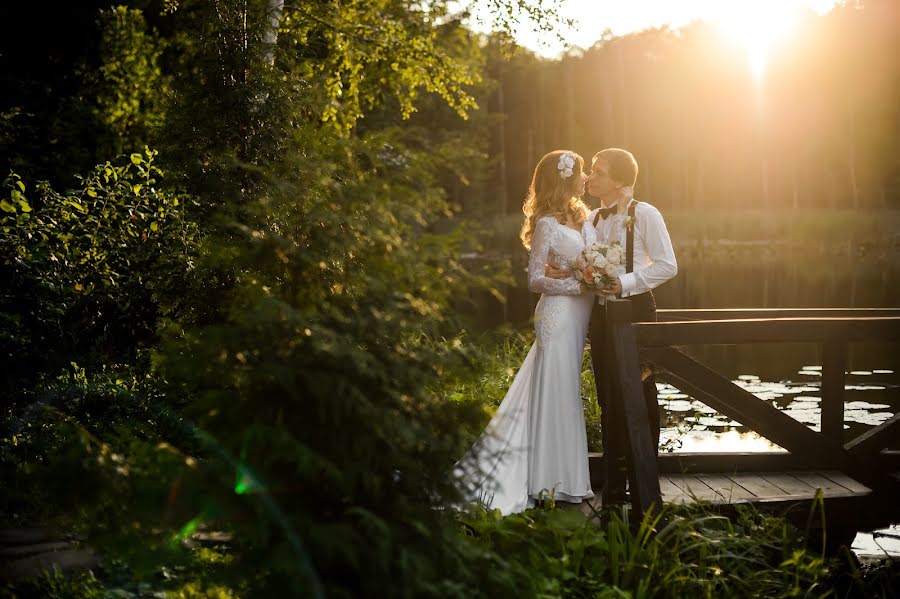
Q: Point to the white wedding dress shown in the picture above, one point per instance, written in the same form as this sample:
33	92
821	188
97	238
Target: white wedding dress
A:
536	443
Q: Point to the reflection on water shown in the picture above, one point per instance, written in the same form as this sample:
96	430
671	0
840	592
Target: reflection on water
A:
707	441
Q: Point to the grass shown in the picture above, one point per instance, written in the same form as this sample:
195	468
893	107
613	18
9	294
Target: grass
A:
683	552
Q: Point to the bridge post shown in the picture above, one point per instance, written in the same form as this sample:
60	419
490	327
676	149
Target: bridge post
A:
834	362
628	394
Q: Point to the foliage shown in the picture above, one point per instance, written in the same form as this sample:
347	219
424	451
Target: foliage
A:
692	553
88	272
69	446
83	87
53	584
313	385
131	86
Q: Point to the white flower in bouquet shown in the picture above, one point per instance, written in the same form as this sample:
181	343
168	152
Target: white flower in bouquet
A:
614	254
598	264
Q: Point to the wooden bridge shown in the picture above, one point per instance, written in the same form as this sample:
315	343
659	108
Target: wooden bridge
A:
860	478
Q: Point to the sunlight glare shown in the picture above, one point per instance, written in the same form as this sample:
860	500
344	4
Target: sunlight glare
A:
755	24
757	27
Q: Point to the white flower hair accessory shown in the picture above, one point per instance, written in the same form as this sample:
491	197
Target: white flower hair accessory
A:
565	165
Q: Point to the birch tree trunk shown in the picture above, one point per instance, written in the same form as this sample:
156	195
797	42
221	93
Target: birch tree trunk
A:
274	11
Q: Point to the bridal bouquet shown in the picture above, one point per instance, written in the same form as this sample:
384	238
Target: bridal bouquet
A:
598	264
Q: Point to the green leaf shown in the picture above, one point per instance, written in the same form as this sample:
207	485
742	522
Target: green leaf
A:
136	159
23	206
92	193
76	205
137	189
21	186
7	207
154	226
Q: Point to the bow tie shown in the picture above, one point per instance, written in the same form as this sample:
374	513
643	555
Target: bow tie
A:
605	212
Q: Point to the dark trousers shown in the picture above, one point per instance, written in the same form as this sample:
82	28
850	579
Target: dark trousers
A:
612	421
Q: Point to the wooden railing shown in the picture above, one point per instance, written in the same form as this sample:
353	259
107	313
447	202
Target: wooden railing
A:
658	343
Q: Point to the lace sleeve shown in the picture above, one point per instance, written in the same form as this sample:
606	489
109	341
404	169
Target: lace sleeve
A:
537	262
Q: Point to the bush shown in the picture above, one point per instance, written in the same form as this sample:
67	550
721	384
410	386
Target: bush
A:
71	446
88	273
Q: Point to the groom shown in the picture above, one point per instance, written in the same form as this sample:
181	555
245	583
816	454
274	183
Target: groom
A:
650	261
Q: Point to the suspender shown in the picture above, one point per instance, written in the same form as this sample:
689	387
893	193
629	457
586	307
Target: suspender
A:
629	239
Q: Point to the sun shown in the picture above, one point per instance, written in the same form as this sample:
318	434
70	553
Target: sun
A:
757	27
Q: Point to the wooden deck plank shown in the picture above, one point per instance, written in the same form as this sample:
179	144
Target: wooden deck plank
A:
727	489
694	488
790	484
757	485
845	481
672	493
761	487
828	486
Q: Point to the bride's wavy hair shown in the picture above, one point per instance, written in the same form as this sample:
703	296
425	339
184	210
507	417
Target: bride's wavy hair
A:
551	194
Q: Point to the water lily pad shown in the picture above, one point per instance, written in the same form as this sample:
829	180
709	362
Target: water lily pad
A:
804	415
669	396
804	388
807	399
677	405
768	395
864	405
701	407
866	417
712	421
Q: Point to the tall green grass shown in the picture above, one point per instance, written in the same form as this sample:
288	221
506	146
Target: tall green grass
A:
683	552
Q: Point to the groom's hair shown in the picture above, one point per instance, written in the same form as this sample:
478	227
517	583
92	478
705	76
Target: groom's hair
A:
623	167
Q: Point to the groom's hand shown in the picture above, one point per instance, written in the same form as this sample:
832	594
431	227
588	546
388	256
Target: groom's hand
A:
556	273
613	288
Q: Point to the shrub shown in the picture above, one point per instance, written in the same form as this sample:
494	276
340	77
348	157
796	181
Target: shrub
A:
88	273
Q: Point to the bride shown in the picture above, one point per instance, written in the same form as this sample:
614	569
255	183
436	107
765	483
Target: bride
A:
536	446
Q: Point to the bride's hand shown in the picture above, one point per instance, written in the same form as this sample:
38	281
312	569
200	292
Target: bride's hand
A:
553	272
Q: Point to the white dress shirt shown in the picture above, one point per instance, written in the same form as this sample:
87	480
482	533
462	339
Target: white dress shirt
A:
654	258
